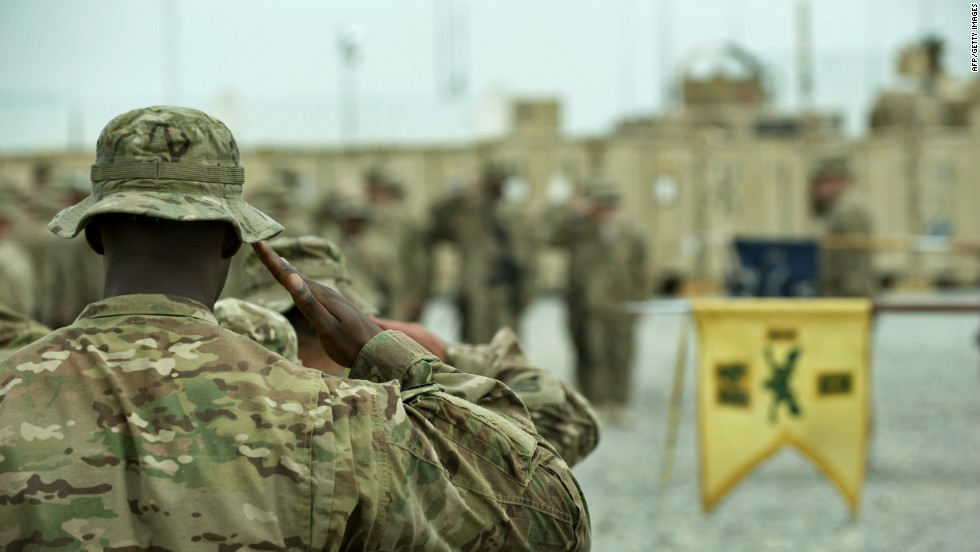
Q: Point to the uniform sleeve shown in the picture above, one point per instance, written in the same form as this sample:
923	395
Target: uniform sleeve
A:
425	457
561	415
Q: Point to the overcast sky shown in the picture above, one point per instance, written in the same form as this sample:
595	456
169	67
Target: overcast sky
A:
272	70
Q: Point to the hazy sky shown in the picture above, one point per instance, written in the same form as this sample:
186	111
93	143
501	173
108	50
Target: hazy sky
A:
271	70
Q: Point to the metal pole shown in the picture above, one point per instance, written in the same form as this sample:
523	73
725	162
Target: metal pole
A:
349	43
665	55
170	43
674	410
804	55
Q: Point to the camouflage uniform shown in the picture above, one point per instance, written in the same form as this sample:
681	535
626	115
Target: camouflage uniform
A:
845	272
606	269
263	326
17	330
496	246
146	426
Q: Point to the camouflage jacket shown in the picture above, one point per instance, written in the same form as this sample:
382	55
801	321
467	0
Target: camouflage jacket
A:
606	265
146	426
561	415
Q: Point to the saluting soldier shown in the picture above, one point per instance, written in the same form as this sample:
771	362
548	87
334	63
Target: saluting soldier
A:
161	430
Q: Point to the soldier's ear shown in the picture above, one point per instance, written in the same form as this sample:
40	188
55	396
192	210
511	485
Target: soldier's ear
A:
93	235
231	244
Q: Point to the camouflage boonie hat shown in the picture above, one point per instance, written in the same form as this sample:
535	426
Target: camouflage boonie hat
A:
601	192
831	167
350	207
377	177
317	258
496	171
172	163
263	326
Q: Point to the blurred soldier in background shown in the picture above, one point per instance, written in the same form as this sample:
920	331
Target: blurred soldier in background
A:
560	414
400	244
69	277
17	274
282	199
369	258
28	212
496	248
17	330
606	268
845	254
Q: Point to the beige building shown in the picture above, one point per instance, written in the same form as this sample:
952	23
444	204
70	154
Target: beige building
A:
723	164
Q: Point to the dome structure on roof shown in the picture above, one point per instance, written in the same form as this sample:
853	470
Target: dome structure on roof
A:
721	73
727	59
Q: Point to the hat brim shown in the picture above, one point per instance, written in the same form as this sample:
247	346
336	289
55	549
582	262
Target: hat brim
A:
275	297
250	224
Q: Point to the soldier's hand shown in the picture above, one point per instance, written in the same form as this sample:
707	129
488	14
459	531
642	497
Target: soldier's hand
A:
342	327
419	333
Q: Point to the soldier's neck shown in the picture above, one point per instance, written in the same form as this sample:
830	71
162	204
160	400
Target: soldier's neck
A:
198	281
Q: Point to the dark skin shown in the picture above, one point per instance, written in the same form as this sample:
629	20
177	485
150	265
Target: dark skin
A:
150	255
191	259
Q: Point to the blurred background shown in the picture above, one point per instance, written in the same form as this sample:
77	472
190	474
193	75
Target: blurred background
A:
706	120
706	114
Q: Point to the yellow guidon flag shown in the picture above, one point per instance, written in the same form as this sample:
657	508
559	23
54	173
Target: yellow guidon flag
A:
774	372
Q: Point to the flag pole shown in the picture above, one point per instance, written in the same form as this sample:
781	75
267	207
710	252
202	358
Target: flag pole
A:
676	396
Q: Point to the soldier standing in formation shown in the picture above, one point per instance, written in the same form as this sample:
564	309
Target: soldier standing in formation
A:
17	273
177	433
606	268
845	255
496	249
69	276
401	245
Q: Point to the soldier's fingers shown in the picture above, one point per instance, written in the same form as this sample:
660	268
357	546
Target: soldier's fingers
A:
324	322
279	268
326	294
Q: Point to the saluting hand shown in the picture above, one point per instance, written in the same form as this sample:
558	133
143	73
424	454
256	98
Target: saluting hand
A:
342	328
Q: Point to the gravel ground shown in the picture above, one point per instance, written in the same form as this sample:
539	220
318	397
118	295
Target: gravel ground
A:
922	490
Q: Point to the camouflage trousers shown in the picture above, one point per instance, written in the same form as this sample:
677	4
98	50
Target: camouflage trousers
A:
604	349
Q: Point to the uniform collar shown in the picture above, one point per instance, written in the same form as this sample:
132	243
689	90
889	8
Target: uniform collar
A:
148	305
